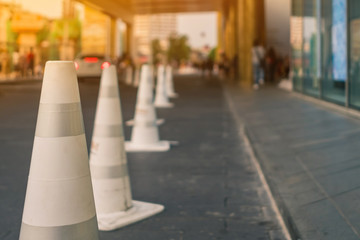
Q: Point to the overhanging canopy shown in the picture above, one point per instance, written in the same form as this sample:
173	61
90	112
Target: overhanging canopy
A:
126	9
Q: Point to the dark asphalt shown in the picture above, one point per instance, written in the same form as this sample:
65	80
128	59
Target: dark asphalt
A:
310	155
208	185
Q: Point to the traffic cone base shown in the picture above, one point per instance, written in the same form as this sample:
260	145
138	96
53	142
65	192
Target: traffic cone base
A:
164	105
161	146
139	211
158	122
173	95
84	230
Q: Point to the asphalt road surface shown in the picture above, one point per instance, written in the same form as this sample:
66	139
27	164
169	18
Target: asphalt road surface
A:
208	185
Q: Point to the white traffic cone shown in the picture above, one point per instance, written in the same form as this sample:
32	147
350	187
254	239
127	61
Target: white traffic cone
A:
136	77
108	163
151	117
161	98
59	201
170	83
129	75
145	134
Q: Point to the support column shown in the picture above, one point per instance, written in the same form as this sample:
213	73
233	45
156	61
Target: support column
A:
113	36
129	46
220	32
251	26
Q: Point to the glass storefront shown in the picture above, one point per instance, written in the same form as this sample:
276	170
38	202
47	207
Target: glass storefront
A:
333	50
354	53
296	30
320	62
310	47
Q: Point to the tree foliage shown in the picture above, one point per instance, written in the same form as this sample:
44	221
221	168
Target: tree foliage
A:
157	51
179	50
74	28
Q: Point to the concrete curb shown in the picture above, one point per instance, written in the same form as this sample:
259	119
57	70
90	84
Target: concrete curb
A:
288	227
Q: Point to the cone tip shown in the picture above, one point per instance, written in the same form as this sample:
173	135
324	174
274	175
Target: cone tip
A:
60	82
59	62
109	76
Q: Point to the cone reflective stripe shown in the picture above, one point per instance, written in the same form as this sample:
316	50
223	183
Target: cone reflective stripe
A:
169	82
108	162
136	77
145	135
59	201
161	98
129	75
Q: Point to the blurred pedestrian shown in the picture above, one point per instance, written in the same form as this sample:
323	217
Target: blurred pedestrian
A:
15	62
271	63
224	66
38	70
4	59
30	59
22	64
235	67
286	66
258	63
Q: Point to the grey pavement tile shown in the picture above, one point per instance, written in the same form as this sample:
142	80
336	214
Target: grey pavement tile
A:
324	140
348	202
340	182
321	221
336	167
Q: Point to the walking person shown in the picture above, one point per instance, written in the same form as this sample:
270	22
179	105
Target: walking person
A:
30	58
15	62
258	54
4	58
271	65
22	64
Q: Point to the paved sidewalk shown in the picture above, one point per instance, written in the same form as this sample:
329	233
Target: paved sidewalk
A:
311	157
208	183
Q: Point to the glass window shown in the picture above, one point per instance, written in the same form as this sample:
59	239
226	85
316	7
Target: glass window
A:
296	32
310	54
334	50
354	53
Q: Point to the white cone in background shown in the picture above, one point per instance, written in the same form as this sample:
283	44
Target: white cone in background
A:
136	77
170	82
129	75
153	75
108	163
151	117
59	201
161	98
145	134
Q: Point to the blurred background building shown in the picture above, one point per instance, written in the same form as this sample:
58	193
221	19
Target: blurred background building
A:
190	32
149	27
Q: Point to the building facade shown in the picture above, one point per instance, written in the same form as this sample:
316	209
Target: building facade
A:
149	27
325	39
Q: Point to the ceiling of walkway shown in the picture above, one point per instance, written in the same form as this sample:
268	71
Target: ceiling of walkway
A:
126	8
167	6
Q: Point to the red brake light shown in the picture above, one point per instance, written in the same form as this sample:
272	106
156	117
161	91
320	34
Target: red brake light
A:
105	65
91	59
76	65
